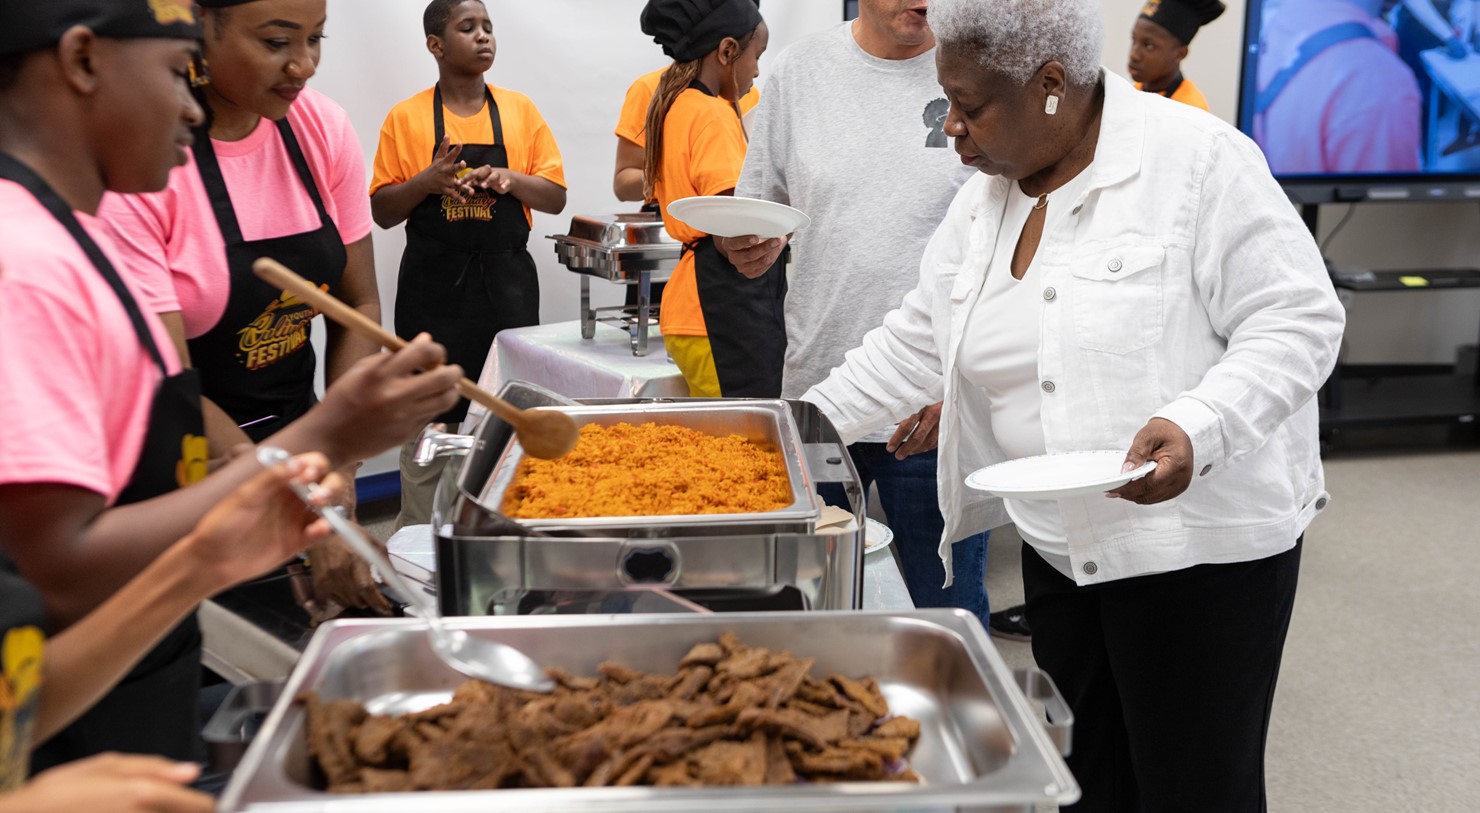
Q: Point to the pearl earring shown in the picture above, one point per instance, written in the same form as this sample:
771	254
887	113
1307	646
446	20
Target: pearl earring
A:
1051	107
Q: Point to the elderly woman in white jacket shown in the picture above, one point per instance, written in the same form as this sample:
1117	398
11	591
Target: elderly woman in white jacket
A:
1123	274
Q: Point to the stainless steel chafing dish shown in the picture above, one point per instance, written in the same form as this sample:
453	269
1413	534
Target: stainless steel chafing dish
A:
774	559
629	249
982	746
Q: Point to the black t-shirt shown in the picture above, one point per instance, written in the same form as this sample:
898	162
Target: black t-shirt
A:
21	646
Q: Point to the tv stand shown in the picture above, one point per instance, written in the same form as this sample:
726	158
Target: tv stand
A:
1358	396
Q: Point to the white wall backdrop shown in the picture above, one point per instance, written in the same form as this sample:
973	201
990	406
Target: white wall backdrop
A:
575	58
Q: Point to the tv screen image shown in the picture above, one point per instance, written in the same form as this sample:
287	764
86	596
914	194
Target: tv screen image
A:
1380	91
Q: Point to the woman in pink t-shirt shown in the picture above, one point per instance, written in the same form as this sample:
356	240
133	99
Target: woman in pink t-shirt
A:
100	429
277	172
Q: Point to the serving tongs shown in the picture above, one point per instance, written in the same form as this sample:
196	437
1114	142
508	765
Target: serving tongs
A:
477	658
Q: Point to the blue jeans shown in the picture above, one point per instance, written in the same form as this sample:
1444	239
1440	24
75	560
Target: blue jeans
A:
907	493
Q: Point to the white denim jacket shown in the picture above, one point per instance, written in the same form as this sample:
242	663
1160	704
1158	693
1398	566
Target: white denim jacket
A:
1187	289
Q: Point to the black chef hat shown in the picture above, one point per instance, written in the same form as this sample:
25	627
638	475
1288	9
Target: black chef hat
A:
28	25
1183	17
690	29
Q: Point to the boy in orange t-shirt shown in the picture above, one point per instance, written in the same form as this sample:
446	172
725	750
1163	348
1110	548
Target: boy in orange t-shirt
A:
1159	43
462	164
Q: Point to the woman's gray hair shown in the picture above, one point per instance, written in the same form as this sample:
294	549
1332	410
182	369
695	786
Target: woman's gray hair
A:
1017	37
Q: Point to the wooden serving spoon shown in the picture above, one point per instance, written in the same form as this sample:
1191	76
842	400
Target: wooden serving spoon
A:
545	434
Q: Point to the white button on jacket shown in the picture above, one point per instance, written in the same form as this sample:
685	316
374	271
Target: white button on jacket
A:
1188	289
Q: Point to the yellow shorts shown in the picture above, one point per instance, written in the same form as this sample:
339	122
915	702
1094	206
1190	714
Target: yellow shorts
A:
695	360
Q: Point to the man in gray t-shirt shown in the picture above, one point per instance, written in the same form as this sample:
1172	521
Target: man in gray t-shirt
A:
850	130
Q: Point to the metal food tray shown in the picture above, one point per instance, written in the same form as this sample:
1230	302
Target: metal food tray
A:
765	422
981	745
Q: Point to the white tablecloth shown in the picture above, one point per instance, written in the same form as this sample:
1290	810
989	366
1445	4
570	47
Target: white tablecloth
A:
414	553
557	358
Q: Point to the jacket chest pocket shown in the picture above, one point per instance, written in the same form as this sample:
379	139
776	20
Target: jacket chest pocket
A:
1118	299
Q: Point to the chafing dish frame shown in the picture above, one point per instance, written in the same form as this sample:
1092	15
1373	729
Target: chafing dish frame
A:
616	249
982	747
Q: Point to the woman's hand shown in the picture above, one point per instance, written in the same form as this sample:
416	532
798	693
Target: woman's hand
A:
262	523
1166	443
113	782
916	434
752	256
383	401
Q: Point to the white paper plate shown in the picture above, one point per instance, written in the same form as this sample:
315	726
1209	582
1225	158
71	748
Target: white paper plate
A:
726	216
1057	476
876	535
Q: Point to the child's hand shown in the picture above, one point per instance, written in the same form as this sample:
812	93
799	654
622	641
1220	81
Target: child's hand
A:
495	179
443	176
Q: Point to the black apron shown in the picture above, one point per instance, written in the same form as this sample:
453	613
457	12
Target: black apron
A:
153	710
257	363
466	274
745	319
22	649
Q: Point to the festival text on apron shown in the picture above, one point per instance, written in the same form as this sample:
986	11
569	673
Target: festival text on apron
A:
257	363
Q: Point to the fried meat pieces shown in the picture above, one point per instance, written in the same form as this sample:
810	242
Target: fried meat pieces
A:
733	715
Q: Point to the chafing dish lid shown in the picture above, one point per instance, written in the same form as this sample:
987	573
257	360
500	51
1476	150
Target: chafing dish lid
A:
619	231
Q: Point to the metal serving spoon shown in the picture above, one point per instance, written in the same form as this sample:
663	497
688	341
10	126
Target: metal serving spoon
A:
485	660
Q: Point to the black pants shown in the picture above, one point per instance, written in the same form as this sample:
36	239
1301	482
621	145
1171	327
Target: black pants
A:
1171	678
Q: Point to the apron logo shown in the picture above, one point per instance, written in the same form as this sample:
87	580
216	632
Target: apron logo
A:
19	698
169	12
279	332
478	207
194	452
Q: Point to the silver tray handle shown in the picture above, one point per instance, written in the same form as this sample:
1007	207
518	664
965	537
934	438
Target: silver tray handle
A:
234	725
434	443
1037	685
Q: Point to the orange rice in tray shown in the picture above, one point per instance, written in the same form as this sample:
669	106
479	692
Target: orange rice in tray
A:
630	470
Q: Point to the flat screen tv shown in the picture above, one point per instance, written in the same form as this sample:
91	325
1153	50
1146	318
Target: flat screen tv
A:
1365	99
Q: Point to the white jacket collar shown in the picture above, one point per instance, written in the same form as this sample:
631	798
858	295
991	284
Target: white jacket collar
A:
1118	153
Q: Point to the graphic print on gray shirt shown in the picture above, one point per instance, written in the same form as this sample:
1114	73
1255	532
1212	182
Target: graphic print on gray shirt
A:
859	144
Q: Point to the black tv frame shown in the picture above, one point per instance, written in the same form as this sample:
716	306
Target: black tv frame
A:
1317	189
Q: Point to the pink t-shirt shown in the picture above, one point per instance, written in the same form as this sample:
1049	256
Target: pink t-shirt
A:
75	382
1354	108
171	242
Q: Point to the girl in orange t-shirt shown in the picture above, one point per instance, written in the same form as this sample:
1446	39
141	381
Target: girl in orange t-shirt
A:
726	331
